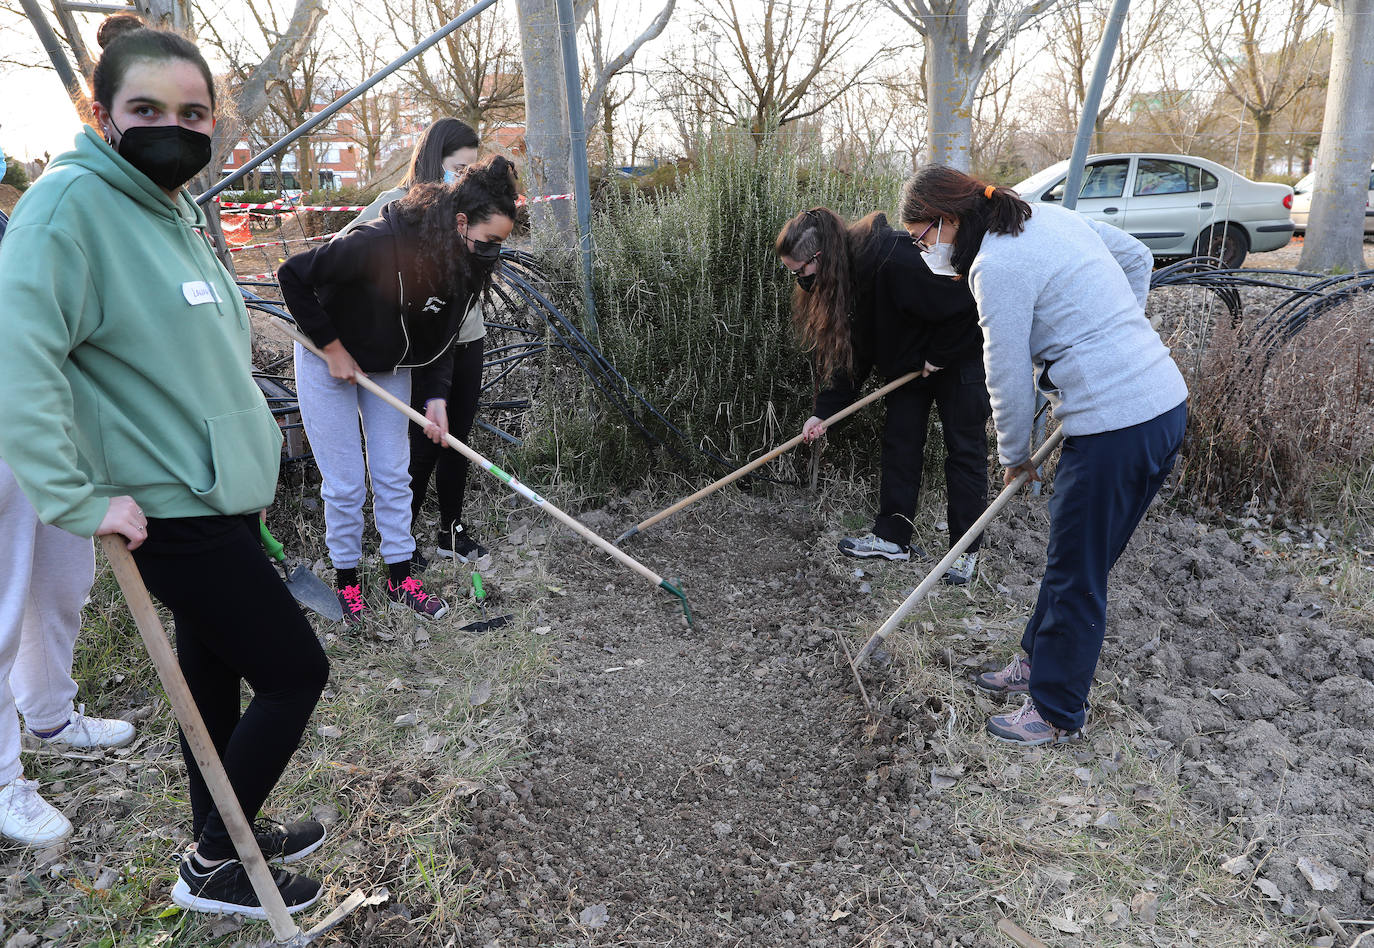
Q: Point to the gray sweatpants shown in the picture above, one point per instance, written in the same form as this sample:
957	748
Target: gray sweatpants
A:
45	576
330	409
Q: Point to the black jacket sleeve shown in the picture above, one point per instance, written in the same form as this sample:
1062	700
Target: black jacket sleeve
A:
344	259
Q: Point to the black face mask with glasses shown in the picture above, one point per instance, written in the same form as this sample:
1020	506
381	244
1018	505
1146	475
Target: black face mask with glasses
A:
806	281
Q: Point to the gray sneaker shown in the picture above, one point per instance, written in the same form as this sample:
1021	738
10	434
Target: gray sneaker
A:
1026	727
1014	679
870	545
963	570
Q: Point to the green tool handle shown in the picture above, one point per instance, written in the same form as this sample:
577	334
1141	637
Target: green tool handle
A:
478	592
270	544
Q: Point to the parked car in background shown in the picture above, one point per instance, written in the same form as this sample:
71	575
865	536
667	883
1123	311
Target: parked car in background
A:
1177	205
1302	203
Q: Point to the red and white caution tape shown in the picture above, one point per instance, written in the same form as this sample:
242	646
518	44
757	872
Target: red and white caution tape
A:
278	243
285	204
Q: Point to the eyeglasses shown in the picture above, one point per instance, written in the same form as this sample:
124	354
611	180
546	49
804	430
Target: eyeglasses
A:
920	241
798	272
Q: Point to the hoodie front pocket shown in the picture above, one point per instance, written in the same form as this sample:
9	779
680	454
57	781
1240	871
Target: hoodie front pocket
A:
245	454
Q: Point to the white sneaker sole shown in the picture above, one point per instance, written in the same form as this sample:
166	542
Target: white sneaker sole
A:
402	607
181	895
876	554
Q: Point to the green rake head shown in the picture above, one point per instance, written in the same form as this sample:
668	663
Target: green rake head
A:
686	609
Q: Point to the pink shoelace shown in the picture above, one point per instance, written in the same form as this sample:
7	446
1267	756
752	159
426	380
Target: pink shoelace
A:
413	586
353	598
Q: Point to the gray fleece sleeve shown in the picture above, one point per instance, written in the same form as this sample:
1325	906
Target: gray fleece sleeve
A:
1134	258
1006	307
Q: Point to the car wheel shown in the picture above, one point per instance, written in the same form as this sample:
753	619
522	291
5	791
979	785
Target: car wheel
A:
1227	242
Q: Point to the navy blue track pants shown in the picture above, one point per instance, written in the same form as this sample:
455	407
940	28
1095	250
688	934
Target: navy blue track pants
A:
1102	488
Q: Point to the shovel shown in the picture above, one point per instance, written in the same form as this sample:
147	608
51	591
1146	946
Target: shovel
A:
306	588
486	622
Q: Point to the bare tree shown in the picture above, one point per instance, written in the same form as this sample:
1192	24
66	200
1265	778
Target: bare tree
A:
473	74
370	119
781	62
960	47
1336	226
1257	49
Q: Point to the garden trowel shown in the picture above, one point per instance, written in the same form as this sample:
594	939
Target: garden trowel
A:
306	588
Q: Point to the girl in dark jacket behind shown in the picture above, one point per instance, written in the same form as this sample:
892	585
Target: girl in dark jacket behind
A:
866	299
386	299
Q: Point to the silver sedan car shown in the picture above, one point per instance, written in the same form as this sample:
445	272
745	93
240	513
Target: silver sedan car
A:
1302	203
1177	205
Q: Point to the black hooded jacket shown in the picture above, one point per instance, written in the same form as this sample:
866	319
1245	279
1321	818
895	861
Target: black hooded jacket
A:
365	289
904	316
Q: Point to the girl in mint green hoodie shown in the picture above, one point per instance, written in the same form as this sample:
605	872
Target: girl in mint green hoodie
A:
131	409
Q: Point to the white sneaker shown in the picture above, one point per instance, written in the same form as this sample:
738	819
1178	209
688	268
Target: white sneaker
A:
85	732
871	545
961	573
27	818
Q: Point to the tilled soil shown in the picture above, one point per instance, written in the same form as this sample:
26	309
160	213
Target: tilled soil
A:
724	785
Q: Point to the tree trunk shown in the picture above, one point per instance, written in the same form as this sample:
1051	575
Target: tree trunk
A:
1335	228
548	141
1259	157
950	82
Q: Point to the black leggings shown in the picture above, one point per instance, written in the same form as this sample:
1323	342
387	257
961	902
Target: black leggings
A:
450	482
235	621
960	393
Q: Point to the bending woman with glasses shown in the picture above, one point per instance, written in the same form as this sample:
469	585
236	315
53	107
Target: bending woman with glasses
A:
866	298
1061	300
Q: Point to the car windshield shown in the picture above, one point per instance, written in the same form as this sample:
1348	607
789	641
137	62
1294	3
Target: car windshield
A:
1304	185
1041	178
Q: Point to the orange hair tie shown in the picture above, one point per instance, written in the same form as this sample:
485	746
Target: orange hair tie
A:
989	191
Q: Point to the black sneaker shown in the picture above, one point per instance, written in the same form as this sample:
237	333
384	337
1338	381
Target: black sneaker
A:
458	544
285	843
225	890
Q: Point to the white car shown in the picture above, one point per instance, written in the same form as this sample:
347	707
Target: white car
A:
1177	205
1302	203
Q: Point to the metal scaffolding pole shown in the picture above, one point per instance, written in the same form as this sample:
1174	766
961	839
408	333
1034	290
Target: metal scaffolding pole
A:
582	188
334	107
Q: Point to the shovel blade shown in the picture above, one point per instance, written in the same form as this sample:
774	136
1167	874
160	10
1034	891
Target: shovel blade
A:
310	591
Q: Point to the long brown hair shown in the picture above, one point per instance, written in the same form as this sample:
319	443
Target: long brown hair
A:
937	191
821	317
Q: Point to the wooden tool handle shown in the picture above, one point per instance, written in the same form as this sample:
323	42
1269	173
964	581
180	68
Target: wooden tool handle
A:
776	452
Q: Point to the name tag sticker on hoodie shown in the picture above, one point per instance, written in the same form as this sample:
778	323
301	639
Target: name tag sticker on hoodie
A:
198	292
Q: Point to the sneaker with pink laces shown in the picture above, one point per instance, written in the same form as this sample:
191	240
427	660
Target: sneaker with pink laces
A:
1014	679
352	603
1026	727
411	595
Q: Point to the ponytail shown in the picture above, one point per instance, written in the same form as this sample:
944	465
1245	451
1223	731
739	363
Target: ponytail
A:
939	192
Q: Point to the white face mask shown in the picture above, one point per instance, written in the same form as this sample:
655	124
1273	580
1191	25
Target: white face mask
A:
937	257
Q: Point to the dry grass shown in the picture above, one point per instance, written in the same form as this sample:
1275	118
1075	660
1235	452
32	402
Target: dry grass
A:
1089	845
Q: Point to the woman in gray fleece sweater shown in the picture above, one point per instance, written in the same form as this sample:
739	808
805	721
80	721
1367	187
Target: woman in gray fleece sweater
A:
1061	302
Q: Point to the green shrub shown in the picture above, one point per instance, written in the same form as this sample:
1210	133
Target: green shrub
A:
694	310
15	175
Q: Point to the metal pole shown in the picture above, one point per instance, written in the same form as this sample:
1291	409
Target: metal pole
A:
53	47
338	104
582	188
1088	120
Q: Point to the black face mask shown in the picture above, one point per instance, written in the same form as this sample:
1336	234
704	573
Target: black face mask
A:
168	154
806	281
486	254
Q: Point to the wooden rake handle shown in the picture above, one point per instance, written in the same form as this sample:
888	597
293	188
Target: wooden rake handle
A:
570	522
956	551
761	461
193	727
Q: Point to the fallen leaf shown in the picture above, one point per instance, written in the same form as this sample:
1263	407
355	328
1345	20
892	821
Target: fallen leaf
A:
1319	875
542	629
329	731
1066	925
838	914
1145	906
481	693
434	744
1271	891
409	719
1238	866
594	916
